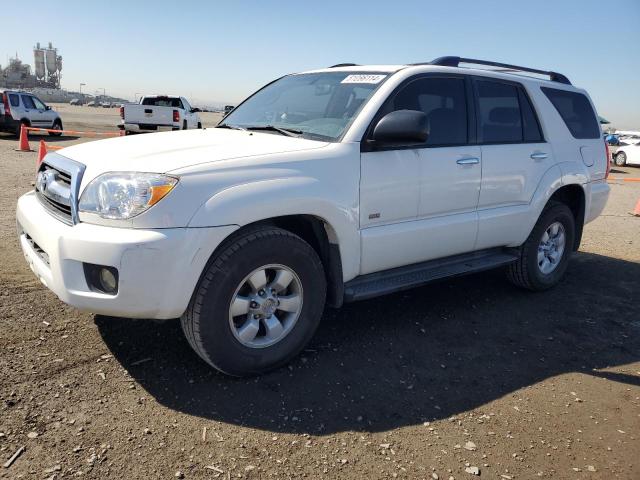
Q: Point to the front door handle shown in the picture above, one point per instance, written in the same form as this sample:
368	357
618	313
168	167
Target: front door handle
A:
468	161
539	156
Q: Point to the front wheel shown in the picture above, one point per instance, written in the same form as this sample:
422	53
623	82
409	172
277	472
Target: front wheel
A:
258	302
544	257
57	125
620	159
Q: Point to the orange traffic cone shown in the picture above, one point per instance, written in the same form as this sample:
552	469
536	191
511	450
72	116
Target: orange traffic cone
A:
42	151
23	144
636	211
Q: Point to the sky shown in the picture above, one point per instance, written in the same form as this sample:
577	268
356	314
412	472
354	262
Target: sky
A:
220	52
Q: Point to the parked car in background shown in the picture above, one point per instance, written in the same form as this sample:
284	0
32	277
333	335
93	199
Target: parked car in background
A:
159	113
324	187
228	109
92	103
612	139
627	155
75	101
22	108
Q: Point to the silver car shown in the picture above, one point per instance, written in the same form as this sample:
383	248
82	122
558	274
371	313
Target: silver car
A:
18	108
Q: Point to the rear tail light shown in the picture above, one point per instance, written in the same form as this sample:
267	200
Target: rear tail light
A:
5	101
122	113
606	146
176	116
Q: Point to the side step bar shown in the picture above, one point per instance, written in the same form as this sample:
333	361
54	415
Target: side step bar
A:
403	278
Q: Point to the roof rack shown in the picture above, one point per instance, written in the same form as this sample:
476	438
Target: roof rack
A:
455	61
344	65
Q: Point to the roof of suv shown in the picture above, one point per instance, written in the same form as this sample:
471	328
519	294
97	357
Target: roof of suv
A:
497	69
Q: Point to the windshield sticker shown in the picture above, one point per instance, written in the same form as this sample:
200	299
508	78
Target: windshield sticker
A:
372	79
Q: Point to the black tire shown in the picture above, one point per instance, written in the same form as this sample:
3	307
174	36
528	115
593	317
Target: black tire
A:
57	125
620	159
184	125
206	322
199	125
19	127
525	272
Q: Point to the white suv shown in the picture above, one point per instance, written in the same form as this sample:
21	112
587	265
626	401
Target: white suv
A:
323	187
22	108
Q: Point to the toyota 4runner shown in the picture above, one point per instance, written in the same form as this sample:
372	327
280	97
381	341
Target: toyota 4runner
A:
323	187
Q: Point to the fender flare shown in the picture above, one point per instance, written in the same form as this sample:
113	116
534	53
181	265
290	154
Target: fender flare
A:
247	203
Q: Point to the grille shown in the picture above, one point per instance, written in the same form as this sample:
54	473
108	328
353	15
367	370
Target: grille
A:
53	189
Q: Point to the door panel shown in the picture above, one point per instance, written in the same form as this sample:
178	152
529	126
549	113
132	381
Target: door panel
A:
389	187
391	246
515	157
418	202
446	186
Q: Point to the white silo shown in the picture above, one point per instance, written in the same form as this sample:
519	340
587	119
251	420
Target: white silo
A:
38	57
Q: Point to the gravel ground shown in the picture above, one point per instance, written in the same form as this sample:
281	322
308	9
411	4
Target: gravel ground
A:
463	378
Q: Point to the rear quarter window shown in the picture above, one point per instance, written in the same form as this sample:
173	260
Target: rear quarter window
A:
576	112
14	99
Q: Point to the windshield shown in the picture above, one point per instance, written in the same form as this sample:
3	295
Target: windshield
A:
314	105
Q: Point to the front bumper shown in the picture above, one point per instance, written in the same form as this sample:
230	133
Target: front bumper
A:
158	269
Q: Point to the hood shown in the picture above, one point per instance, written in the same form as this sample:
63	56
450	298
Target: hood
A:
167	151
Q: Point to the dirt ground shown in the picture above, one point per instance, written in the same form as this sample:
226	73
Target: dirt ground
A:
462	377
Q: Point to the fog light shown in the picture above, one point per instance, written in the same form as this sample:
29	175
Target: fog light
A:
101	278
108	280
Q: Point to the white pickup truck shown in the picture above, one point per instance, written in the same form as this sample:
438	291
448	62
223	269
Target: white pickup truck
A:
323	187
159	113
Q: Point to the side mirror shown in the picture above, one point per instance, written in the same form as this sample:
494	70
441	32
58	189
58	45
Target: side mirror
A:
402	126
47	107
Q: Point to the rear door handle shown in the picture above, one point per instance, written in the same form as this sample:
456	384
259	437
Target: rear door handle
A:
539	156
468	161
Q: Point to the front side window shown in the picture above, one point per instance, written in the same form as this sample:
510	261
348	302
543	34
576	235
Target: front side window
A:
576	111
27	101
39	105
311	105
443	100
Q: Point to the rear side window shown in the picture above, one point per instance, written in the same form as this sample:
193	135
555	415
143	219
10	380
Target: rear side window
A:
576	111
14	99
505	114
443	100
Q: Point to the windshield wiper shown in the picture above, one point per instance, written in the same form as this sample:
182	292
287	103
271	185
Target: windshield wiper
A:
289	132
232	127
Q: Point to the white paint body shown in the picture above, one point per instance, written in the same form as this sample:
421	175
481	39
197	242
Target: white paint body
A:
429	206
632	152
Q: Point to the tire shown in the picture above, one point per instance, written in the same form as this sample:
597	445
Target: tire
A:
215	334
19	127
184	125
527	271
620	159
57	125
199	126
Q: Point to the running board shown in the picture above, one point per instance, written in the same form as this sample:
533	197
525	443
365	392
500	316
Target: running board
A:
403	278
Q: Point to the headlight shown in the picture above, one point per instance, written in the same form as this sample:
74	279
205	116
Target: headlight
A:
124	195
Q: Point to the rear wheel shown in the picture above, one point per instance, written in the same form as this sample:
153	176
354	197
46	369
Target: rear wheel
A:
57	125
620	159
544	257
199	125
258	302
184	125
